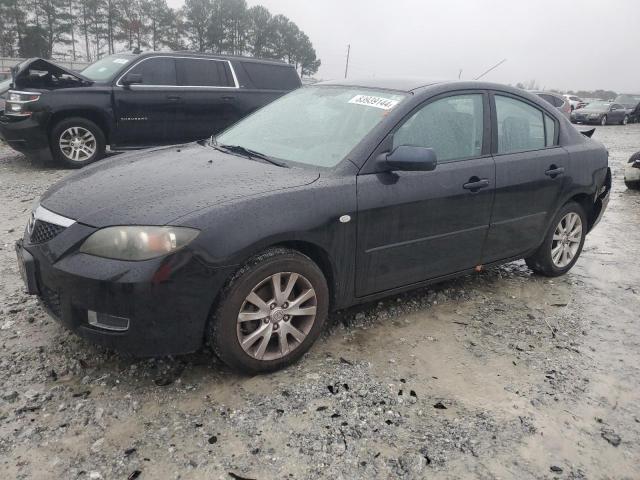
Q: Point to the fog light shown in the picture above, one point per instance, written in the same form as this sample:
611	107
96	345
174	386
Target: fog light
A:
107	322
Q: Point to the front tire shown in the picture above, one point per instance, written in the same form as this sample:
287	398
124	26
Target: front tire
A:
603	121
76	142
563	243
270	313
625	120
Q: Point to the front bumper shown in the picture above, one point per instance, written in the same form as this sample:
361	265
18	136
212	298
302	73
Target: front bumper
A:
26	135
167	301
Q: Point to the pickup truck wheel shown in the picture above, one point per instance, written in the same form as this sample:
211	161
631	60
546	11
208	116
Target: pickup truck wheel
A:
76	142
270	313
563	243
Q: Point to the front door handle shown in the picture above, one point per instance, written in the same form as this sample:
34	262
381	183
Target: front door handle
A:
228	98
173	98
554	171
474	184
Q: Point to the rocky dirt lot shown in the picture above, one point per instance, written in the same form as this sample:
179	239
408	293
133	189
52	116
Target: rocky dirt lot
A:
501	374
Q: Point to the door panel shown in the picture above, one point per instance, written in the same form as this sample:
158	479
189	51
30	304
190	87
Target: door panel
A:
414	226
525	199
146	113
530	176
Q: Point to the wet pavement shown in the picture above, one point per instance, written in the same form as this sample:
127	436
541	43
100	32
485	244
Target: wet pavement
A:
501	374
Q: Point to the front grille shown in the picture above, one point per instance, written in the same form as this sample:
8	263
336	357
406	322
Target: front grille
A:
51	300
44	231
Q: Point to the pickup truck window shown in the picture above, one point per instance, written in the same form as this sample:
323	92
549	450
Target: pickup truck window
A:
156	71
195	72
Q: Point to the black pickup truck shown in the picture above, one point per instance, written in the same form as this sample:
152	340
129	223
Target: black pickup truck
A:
133	101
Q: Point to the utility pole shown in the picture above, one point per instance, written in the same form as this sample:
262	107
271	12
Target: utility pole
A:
346	68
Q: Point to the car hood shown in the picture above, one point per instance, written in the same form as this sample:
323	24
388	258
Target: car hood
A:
158	186
53	75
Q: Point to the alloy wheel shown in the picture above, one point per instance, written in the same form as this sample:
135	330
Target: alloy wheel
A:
78	144
276	316
603	122
566	240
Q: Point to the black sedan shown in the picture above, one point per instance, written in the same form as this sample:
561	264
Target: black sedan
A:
336	194
602	113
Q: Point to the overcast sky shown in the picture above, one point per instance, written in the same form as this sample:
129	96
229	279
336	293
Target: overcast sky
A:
580	44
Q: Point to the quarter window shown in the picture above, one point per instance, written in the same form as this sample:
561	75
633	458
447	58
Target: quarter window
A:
520	126
452	126
550	130
157	71
204	73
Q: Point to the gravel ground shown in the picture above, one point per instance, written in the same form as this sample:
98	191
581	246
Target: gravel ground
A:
501	374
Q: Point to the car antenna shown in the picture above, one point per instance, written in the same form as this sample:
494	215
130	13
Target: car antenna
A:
492	68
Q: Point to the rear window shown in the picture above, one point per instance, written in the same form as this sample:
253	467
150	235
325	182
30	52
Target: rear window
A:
272	77
194	72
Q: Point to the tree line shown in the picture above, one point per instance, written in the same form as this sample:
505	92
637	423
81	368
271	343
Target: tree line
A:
90	29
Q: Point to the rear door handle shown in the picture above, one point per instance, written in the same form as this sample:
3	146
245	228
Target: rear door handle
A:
554	171
173	98
228	97
476	184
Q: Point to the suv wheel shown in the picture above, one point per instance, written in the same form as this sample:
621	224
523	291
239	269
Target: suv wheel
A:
76	142
270	313
563	244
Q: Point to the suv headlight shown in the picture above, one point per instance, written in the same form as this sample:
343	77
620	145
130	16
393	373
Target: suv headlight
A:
17	103
137	242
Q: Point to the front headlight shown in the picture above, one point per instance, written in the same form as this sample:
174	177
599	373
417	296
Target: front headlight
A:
17	103
137	242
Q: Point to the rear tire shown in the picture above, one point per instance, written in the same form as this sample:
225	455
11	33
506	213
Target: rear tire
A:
255	329
76	142
563	243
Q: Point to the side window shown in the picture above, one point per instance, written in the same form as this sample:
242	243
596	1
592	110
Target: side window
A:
550	131
157	71
195	72
452	126
272	77
520	126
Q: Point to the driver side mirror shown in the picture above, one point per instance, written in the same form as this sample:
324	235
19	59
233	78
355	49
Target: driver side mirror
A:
409	158
132	79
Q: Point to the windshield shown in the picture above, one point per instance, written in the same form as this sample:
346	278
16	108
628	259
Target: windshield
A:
628	99
597	106
105	68
313	125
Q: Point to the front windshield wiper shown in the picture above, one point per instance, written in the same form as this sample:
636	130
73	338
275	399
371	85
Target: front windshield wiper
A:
248	153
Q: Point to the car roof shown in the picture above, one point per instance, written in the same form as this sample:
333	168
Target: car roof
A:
399	84
189	53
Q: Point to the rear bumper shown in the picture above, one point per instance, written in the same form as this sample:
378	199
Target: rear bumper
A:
27	136
166	301
602	200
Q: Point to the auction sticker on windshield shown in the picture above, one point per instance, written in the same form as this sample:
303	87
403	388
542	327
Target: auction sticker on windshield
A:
377	102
